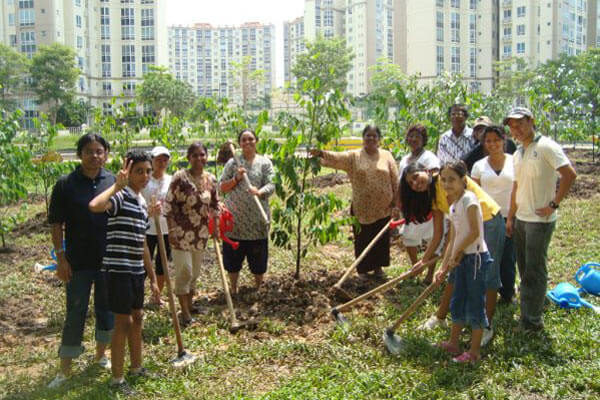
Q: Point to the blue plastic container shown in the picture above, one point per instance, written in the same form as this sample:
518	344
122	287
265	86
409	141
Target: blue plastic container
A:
588	277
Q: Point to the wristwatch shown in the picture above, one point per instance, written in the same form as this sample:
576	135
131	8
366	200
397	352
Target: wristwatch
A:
552	204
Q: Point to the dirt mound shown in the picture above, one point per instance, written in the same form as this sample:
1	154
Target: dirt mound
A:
36	224
332	179
588	179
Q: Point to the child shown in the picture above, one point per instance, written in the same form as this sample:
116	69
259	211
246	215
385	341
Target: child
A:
125	260
467	256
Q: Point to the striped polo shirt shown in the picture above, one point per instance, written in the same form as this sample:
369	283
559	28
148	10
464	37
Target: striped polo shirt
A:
125	233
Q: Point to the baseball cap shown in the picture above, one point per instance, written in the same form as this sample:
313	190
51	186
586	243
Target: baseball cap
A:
160	150
482	121
517	113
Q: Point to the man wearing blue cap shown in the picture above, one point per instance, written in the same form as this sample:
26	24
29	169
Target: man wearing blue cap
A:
538	162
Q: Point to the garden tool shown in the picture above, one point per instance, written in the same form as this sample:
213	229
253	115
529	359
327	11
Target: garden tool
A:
337	311
393	342
588	277
226	225
566	295
226	152
50	267
338	286
183	357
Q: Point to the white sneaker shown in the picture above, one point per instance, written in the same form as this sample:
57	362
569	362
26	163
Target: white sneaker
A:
432	323
57	381
488	334
103	362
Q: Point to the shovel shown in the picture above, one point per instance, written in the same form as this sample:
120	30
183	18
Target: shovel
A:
183	357
338	286
337	311
393	342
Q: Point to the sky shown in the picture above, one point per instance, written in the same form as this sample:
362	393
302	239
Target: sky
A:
236	12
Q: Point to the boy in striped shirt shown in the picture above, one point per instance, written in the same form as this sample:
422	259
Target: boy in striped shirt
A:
127	259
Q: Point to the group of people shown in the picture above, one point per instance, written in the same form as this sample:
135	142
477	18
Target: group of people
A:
480	204
105	230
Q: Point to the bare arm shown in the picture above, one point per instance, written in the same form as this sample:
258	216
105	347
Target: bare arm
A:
63	268
510	219
150	270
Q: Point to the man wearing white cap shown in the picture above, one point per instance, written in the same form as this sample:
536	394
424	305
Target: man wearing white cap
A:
158	186
538	162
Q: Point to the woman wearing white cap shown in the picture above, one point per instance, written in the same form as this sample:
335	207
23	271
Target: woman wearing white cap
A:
158	186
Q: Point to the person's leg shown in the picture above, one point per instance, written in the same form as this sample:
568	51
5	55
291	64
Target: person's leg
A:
183	275
508	270
535	279
475	348
258	257
233	282
78	296
475	304
105	320
120	295
152	241
494	234
120	335
196	260
412	254
444	306
458	301
135	339
232	261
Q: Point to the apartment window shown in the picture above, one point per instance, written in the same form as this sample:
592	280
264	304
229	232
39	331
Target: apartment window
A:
26	17
81	84
455	3
521	11
128	60
28	43
129	88
127	24
473	62
107	108
78	3
126	1
148	58
520	30
25	4
104	23
439	59
79	42
105	52
13	40
520	48
507	14
439	3
78	21
472	28
473	4
455	27
507	32
455	59
507	50
439	22
107	88
11	19
147	1
148	24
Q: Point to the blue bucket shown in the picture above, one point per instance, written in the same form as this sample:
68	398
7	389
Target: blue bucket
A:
588	277
566	295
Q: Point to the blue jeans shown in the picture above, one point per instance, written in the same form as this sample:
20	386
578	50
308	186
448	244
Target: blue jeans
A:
78	298
508	271
494	234
531	244
467	305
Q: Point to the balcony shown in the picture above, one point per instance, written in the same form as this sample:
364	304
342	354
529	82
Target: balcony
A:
507	38
507	3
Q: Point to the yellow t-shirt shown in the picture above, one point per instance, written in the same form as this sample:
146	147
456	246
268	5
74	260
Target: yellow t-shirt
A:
489	207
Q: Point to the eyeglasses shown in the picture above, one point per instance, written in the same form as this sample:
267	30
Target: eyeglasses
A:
94	152
457	114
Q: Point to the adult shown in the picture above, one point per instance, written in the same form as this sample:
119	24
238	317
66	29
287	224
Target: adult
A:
373	175
479	150
249	227
157	187
538	162
191	200
458	140
80	260
415	231
426	189
495	174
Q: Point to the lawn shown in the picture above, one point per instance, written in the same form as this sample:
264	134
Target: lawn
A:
297	351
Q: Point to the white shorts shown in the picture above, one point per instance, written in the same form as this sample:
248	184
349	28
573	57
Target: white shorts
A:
413	235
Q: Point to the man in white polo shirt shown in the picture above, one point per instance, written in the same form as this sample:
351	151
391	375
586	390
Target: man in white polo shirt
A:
538	163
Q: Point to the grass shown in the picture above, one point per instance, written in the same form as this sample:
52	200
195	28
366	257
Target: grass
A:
282	360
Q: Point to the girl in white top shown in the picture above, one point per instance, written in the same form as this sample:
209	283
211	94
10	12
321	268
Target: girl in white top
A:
158	187
467	258
496	175
413	232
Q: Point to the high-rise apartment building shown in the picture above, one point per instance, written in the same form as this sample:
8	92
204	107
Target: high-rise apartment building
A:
115	41
541	30
293	44
458	36
205	57
324	17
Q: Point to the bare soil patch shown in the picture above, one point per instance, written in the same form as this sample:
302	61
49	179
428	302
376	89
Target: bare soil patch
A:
329	180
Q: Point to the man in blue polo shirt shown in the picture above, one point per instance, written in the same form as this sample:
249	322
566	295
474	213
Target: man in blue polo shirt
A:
79	263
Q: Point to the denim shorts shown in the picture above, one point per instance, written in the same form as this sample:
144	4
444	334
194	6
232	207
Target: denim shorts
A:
467	305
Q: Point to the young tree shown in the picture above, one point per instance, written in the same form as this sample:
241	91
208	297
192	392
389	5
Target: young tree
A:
326	60
13	67
160	90
246	80
73	113
54	76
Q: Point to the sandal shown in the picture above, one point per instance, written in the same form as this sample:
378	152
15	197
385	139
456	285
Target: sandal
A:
466	357
448	348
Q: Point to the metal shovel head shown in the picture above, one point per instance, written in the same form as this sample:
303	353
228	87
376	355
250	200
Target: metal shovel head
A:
184	359
392	342
250	325
339	318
